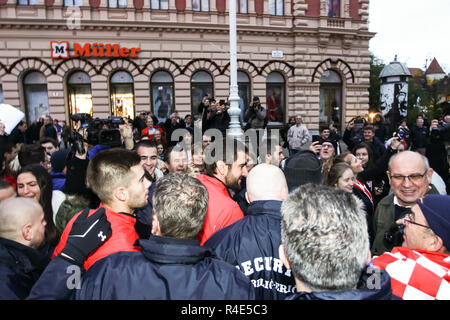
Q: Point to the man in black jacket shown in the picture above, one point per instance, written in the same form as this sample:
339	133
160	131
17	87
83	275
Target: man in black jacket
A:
252	243
172	264
22	231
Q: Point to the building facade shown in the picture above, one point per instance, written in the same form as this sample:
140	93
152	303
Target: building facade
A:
123	57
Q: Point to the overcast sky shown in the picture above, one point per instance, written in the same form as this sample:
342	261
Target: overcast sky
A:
415	30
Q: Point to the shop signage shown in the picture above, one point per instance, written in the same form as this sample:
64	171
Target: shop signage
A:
60	50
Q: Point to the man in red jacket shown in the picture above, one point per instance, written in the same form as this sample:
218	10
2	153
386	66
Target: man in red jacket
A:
225	169
118	179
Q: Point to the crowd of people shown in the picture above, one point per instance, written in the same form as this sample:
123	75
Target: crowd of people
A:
162	215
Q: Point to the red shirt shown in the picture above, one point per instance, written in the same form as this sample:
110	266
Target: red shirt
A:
144	132
222	210
122	238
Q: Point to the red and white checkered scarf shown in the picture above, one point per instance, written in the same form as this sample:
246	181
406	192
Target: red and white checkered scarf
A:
417	274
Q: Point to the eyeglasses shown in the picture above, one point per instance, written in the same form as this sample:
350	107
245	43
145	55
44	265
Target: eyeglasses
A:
408	219
414	178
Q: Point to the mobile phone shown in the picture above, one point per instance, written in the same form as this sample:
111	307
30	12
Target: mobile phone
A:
315	138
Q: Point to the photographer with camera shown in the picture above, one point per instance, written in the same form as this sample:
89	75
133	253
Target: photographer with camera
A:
409	175
255	115
353	134
420	266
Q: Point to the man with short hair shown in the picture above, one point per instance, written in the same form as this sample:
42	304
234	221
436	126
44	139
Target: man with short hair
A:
409	176
172	265
225	169
420	267
419	135
298	136
251	244
17	135
274	152
48	130
50	145
377	145
118	179
176	160
22	232
326	245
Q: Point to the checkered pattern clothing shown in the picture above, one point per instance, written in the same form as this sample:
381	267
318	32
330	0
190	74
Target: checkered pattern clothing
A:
417	274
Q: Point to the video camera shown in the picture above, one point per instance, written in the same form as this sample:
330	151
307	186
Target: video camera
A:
96	133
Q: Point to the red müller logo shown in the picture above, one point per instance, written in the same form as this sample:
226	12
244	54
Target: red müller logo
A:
60	49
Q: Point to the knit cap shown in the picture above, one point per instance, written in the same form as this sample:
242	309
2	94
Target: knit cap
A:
303	167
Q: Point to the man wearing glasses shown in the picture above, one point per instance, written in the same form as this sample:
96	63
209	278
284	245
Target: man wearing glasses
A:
409	176
420	268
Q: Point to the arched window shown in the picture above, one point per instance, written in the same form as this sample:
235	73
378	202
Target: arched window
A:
244	91
201	85
79	92
275	97
161	86
122	97
334	8
36	96
330	99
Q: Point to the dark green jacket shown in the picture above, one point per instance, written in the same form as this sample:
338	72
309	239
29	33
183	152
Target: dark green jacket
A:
384	218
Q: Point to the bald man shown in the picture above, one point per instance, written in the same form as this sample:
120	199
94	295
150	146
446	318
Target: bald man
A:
409	176
252	243
22	231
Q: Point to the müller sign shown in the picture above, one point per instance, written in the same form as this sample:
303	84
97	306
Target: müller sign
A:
60	50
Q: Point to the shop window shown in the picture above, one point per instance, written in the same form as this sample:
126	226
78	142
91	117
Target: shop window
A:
201	85
333	8
161	86
79	93
276	7
275	97
159	4
330	99
36	96
242	6
243	92
122	96
200	5
73	3
117	3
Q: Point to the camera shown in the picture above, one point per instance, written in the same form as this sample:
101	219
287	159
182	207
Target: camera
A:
96	134
394	236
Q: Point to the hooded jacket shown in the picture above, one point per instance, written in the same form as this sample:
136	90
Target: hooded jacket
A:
251	244
222	209
165	269
368	288
20	268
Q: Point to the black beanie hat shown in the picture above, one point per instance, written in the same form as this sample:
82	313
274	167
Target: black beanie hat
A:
303	167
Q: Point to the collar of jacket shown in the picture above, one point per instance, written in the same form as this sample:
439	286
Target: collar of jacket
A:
28	258
368	288
167	250
216	182
272	207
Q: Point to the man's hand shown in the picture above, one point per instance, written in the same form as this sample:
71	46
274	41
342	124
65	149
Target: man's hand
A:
86	235
395	142
315	147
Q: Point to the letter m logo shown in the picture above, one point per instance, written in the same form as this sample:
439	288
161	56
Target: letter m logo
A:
60	49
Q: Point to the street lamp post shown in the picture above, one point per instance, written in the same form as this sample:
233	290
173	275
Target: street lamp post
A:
234	129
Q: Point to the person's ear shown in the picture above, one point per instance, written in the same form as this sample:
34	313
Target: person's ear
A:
221	168
246	197
121	194
156	229
27	232
430	174
436	244
283	257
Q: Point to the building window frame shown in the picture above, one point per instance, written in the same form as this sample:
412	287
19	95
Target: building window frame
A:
331	87
276	97
334	8
202	88
27	2
35	84
126	83
276	7
117	4
77	87
242	6
201	5
159	4
164	85
72	3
